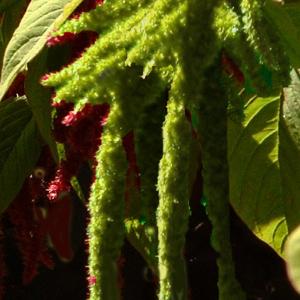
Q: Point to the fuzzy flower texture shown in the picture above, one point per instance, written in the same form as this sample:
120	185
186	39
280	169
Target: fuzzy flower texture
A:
141	54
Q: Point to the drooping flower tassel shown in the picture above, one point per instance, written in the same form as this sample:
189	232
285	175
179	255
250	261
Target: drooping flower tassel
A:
106	208
175	165
213	130
212	107
173	187
107	204
141	222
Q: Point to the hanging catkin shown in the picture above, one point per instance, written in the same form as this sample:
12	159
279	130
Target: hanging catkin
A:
212	130
106	208
213	120
106	228
141	227
174	173
149	152
173	209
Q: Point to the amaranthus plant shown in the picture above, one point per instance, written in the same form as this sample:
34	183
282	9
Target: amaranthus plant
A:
135	91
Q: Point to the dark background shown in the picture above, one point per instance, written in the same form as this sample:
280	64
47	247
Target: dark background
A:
260	270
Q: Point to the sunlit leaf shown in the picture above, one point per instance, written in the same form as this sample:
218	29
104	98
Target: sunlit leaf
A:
11	17
40	19
264	160
255	182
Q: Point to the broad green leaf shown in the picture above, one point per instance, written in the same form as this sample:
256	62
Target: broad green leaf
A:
10	20
286	27
19	148
292	250
255	182
41	17
39	100
264	163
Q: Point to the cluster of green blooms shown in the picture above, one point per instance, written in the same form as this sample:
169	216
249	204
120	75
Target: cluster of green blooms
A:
148	49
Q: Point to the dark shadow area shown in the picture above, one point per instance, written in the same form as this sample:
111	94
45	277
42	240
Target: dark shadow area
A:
259	269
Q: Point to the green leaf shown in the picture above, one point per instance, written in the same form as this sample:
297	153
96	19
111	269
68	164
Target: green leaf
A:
10	20
255	183
19	148
264	160
41	17
286	23
39	100
292	250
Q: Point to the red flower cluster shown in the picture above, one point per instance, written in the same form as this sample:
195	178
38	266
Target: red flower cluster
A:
81	134
27	218
55	40
92	280
35	220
